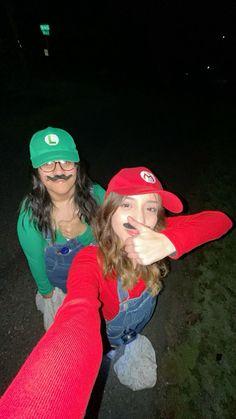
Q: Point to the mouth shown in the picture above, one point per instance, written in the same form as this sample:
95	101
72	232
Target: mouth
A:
131	230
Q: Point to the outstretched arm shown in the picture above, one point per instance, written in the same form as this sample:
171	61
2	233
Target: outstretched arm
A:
182	234
57	378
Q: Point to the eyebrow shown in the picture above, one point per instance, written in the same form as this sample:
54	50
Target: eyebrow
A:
147	202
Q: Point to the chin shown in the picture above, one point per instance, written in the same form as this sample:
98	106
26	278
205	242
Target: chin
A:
61	189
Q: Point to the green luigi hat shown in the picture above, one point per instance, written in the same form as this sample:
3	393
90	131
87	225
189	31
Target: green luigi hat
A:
52	144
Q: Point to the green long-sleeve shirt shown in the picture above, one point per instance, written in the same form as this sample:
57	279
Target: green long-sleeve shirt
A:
34	243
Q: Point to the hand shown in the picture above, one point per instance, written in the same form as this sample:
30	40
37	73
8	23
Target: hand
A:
148	246
72	228
49	295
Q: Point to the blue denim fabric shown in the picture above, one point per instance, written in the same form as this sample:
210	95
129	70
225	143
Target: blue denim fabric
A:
133	315
58	258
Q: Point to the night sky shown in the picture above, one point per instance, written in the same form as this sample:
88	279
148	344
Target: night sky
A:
170	39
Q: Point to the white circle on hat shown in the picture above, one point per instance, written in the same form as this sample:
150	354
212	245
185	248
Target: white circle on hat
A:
51	139
148	177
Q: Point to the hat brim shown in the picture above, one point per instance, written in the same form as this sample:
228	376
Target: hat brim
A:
171	202
56	155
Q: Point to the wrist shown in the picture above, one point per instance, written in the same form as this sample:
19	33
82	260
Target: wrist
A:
170	247
48	295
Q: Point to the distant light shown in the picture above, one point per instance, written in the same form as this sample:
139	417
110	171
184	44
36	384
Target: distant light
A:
19	44
208	67
223	36
186	74
45	28
46	52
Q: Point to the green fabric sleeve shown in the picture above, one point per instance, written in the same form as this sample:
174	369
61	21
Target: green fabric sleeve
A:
33	245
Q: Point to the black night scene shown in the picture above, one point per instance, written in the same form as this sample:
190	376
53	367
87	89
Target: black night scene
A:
135	84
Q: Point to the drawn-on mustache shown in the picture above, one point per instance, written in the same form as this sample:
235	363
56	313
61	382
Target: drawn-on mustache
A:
57	177
128	225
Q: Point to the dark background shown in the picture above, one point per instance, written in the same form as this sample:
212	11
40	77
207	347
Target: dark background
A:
164	41
135	84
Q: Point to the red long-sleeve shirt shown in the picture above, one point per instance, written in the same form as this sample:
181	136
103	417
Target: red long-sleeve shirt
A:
57	378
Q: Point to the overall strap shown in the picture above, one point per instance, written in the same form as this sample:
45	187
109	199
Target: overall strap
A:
48	236
122	294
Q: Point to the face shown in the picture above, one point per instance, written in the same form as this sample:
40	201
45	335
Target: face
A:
55	186
143	208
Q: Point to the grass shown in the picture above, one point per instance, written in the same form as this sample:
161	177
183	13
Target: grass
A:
200	368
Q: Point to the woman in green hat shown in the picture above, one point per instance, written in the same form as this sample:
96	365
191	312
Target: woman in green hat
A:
55	217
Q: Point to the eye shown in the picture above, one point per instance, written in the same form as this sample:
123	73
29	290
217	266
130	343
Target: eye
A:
125	204
152	209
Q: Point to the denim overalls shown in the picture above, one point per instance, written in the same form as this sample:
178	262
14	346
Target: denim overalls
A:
132	317
58	258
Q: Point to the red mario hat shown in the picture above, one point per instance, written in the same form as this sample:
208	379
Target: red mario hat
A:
140	180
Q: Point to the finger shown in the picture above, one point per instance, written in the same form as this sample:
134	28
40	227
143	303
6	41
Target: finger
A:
139	226
131	253
134	242
135	257
131	250
129	241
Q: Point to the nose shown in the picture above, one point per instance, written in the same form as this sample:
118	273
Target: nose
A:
139	215
58	170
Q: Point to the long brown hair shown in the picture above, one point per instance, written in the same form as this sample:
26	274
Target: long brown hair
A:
38	204
112	256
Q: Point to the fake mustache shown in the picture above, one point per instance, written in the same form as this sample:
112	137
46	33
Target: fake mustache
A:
57	177
128	225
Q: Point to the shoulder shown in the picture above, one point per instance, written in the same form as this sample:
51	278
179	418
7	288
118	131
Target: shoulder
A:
98	193
24	210
25	220
22	206
24	215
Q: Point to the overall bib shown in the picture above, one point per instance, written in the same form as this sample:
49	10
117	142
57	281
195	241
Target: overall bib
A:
58	258
133	315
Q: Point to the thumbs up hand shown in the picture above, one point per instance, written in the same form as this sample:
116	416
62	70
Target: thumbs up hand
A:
148	246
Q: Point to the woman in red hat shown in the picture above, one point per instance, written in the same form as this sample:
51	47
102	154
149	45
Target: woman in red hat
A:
61	371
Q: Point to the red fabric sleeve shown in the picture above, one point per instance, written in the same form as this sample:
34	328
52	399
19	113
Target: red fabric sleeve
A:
84	276
57	378
189	231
